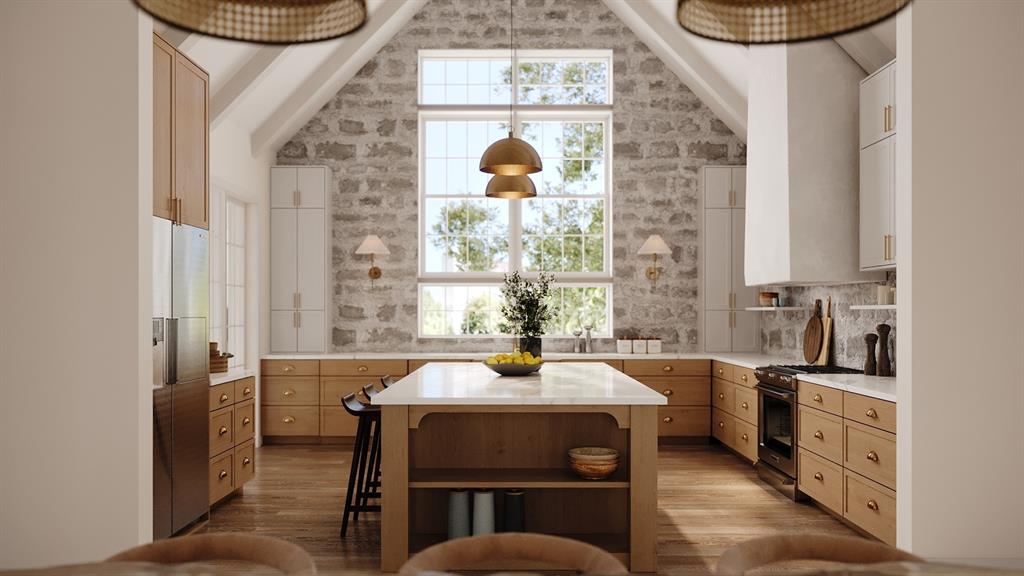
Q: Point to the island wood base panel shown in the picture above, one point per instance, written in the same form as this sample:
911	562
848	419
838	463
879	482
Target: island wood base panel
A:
438	448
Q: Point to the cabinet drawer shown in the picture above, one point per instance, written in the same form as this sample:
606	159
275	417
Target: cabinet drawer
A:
821	433
282	391
221	481
870	506
723	395
290	368
870	411
245	421
291	420
745	439
722	370
245	389
821	479
871	453
821	397
335	421
723	427
221	430
683	421
681	390
334	388
375	368
744	377
745	404
222	395
245	463
667	367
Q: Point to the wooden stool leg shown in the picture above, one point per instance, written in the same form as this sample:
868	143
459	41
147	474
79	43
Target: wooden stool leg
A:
364	452
376	464
368	489
350	493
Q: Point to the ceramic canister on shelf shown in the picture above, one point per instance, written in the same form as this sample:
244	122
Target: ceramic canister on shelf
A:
654	346
639	346
515	512
458	514
623	346
483	512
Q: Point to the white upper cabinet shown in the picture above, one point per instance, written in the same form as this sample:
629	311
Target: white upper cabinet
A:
725	186
298	187
283	261
718	259
310	268
743	295
878	105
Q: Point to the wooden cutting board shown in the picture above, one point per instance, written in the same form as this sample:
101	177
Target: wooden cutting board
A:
813	334
826	334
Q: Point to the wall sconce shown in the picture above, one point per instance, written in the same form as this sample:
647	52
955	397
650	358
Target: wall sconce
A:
652	247
373	246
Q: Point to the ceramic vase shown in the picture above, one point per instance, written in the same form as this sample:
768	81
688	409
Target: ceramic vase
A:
515	513
458	514
483	512
531	345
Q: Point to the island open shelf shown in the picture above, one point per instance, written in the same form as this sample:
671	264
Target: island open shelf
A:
511	478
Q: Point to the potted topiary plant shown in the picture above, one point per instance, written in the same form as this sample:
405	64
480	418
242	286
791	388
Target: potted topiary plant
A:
526	309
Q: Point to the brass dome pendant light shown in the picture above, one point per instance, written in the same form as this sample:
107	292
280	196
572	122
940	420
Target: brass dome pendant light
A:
780	21
511	159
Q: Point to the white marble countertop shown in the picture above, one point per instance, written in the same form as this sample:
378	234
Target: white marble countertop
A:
218	378
881	387
557	384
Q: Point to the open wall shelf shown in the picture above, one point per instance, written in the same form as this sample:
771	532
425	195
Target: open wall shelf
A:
873	307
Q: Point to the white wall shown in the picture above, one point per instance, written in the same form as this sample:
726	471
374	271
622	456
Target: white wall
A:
960	97
75	235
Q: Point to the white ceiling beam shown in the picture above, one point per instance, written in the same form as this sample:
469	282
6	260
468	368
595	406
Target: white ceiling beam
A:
244	81
866	49
697	63
181	39
317	89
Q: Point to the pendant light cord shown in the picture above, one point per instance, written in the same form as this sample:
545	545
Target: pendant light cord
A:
512	66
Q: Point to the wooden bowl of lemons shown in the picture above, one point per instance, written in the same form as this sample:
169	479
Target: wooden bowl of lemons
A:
514	364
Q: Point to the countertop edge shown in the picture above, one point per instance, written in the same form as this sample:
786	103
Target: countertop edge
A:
219	378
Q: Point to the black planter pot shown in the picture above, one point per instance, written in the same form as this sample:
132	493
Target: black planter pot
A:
531	345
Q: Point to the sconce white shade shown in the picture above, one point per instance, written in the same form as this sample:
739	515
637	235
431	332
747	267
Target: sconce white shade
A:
654	245
373	245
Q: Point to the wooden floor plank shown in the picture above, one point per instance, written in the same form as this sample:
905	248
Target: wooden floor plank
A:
708	500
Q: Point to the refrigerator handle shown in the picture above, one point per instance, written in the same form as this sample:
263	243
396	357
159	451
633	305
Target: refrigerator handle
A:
171	341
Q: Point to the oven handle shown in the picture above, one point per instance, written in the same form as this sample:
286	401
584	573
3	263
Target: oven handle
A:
781	395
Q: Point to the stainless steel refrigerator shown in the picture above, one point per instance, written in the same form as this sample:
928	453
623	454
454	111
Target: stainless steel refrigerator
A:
181	378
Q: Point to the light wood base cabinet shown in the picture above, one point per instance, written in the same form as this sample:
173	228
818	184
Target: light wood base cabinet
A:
232	437
734	417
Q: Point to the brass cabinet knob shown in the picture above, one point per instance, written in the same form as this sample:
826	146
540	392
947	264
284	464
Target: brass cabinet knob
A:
871	413
721	396
667	392
246	391
817	398
872	505
666	368
743	377
223	430
720	372
819	477
873	456
246	421
223	474
721	424
288	368
223	398
744	437
288	420
362	369
667	419
245	461
819	435
744	405
289	392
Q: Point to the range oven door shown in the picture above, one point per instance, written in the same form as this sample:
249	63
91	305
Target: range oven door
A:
777	428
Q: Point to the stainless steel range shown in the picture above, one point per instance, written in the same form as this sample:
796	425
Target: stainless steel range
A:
777	423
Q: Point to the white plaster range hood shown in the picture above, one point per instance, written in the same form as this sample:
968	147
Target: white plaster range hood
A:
802	166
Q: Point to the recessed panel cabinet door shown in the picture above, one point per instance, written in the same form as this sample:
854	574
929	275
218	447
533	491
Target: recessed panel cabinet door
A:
310	257
283	250
163	104
283	187
310	331
191	141
312	186
875	95
718	258
717	185
746	331
876	181
745	295
717	333
739	187
283	331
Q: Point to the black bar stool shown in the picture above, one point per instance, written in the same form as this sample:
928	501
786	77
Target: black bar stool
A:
361	468
388	380
372	482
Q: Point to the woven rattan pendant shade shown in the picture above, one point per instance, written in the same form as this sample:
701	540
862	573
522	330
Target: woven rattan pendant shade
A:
262	21
776	21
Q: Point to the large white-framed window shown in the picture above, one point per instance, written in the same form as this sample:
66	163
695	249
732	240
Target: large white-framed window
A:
562	106
227	275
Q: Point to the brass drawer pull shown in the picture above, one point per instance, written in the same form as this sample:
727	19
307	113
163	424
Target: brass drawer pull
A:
223	474
743	377
667	368
721	396
871	413
720	371
667	419
362	369
744	437
289	392
246	421
223	430
721	424
246	391
819	477
288	368
223	398
744	405
667	392
288	420
818	398
872	456
819	435
872	505
245	461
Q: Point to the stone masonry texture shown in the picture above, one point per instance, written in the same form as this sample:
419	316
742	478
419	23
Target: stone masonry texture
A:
367	135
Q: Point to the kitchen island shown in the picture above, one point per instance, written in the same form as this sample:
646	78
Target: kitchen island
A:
461	426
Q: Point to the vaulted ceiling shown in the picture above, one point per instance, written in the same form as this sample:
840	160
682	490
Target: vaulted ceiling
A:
269	92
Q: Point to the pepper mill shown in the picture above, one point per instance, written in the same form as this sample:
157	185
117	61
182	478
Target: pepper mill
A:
576	343
869	364
590	344
884	363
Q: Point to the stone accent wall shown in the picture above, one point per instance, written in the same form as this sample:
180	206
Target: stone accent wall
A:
782	333
367	135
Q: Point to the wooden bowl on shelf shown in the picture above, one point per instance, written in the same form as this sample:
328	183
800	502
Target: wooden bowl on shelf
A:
594	454
765	298
593	463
